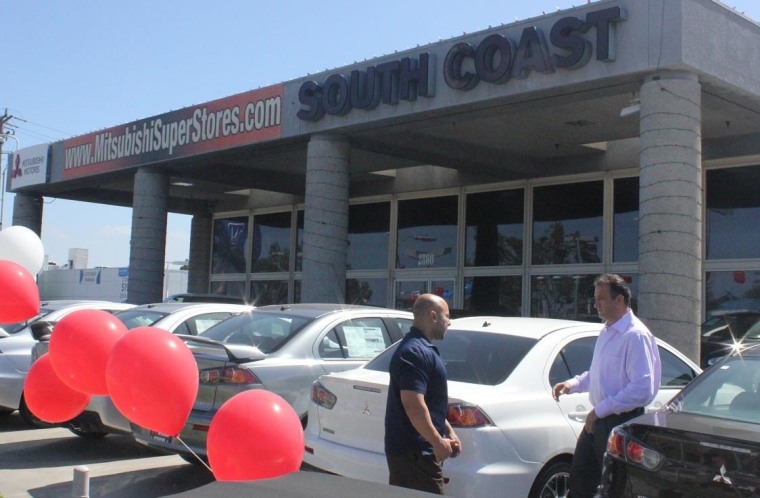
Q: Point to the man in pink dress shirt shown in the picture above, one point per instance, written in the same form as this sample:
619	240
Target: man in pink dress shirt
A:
624	377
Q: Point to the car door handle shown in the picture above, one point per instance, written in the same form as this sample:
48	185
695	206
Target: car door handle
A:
578	416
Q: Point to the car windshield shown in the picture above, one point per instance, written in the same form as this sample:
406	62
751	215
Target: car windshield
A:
473	357
730	390
744	325
139	318
267	331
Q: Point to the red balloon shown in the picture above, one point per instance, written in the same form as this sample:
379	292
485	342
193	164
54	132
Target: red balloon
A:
47	396
80	346
152	379
19	295
255	435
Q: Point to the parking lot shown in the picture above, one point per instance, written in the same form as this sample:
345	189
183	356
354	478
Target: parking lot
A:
41	462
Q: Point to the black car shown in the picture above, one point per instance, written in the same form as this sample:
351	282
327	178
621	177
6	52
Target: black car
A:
703	443
739	328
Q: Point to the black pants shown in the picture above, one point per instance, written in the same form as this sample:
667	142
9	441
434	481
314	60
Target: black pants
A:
586	470
415	470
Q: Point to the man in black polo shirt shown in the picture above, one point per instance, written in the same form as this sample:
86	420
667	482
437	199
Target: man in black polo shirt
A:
418	438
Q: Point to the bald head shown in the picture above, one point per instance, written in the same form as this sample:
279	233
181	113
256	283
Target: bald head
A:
431	316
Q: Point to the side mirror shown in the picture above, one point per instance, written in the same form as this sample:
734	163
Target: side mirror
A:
41	330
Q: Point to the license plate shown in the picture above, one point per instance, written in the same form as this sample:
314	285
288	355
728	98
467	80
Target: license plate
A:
160	437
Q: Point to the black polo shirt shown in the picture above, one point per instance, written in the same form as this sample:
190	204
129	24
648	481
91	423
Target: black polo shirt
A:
415	366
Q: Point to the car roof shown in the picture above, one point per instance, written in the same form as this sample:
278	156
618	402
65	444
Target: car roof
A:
315	310
530	327
173	307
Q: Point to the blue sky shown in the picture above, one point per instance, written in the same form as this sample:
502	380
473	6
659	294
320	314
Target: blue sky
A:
78	66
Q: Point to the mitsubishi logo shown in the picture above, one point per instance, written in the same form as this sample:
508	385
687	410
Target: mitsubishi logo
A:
366	410
722	476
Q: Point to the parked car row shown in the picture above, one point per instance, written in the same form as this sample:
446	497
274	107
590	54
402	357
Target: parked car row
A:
330	362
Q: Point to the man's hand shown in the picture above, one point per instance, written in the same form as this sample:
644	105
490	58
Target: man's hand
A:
456	444
442	449
559	389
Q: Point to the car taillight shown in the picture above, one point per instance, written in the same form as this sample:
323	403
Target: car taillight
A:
322	396
227	375
646	457
616	444
622	447
465	415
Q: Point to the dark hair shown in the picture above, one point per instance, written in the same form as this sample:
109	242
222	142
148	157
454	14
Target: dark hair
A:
618	286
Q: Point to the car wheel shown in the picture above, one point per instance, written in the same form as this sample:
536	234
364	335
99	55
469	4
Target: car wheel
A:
28	417
552	482
4	413
87	434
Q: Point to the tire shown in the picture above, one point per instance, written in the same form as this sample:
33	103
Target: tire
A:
29	418
5	413
552	482
87	434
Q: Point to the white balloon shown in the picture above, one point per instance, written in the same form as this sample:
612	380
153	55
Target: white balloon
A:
22	246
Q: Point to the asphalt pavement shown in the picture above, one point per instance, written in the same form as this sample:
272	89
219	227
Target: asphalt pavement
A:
40	463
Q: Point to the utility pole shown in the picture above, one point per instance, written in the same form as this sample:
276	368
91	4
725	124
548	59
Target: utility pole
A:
3	168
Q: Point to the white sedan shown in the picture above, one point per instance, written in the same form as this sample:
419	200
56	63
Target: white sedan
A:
501	370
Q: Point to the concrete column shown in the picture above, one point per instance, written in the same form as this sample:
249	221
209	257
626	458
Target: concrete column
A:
27	212
326	220
147	250
670	209
200	253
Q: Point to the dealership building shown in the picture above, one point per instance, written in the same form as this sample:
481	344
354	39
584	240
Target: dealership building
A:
502	170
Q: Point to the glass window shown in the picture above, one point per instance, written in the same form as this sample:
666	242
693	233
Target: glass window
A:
574	359
625	227
229	249
494	228
732	290
571	296
474	357
733	213
368	235
271	243
367	291
407	292
234	288
563	296
567	223
265	292
427	233
493	296
360	338
198	324
675	372
730	391
266	330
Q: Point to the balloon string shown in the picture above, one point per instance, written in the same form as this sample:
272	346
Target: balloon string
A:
194	454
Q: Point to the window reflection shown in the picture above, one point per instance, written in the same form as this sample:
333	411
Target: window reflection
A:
229	288
271	242
733	213
493	296
567	225
368	230
407	292
230	238
299	240
570	296
265	292
427	233
732	290
625	235
367	291
494	228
